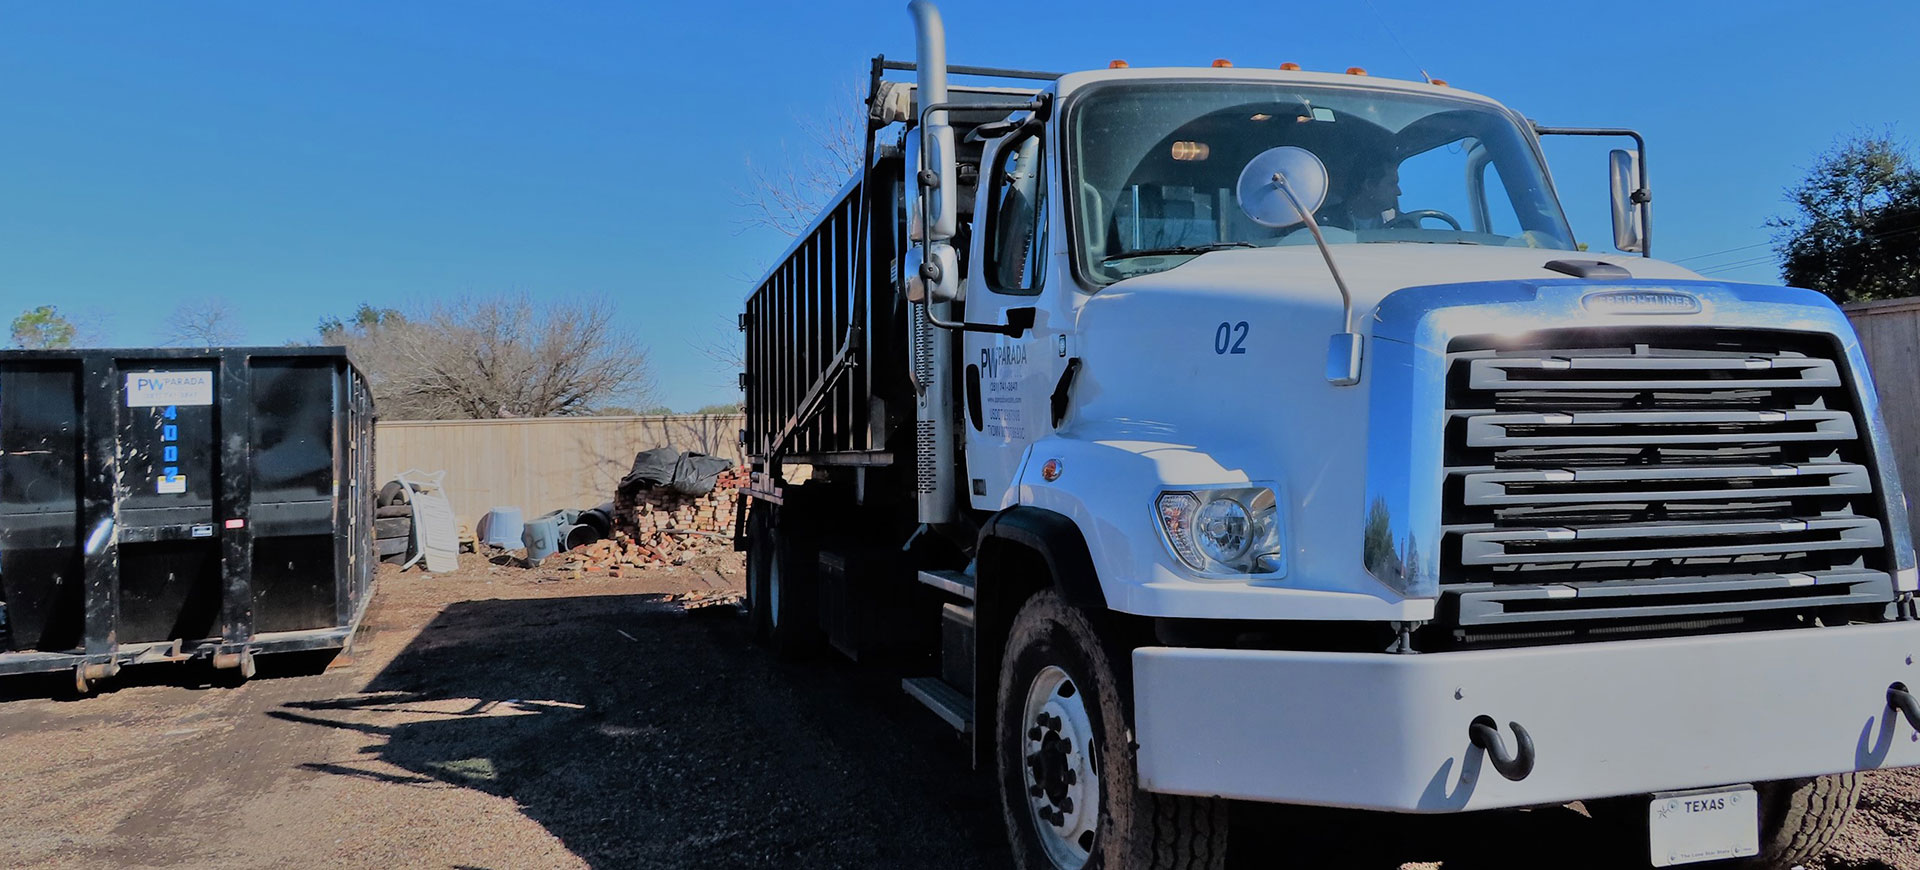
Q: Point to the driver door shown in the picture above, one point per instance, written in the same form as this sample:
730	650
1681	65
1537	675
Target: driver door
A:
1008	381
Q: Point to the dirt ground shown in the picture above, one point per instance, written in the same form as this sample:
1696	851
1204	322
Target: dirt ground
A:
504	718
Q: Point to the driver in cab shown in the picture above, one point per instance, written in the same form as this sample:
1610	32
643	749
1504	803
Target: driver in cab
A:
1372	200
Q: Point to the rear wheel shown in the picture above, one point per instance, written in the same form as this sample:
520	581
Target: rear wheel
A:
759	565
1068	790
793	622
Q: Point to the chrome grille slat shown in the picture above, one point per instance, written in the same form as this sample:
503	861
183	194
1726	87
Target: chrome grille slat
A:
1684	373
1635	543
1604	485
1655	475
1730	427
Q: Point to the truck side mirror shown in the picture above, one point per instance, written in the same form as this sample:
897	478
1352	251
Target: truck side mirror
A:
1629	232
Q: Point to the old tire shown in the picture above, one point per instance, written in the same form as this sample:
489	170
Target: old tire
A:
1060	694
759	564
391	546
392	493
792	585
393	510
393	527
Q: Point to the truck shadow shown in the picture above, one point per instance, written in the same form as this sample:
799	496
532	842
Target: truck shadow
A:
1556	837
642	735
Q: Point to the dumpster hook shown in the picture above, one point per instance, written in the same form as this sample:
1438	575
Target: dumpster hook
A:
1485	733
1901	699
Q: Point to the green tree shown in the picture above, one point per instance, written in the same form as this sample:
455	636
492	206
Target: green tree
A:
1855	231
43	328
365	319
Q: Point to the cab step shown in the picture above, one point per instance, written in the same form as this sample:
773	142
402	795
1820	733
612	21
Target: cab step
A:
944	700
951	582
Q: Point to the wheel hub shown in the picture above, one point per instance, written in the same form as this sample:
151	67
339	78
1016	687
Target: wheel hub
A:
1061	773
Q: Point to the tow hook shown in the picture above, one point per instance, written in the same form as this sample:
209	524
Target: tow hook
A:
1485	733
1902	699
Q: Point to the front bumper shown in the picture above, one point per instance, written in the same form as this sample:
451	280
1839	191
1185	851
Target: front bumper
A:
1389	732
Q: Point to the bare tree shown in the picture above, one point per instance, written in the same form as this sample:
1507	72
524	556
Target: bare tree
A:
205	322
498	356
788	196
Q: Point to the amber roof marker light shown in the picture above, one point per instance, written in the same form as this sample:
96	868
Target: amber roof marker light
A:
1290	66
1222	62
1116	64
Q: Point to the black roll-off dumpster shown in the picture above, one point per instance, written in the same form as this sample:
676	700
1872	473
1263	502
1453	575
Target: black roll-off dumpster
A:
173	504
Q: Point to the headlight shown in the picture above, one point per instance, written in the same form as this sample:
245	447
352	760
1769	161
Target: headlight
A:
1224	531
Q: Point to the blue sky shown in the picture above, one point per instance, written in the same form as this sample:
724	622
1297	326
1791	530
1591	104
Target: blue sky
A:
297	158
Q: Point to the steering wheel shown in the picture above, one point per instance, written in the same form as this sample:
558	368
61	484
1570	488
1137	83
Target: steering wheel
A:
1412	219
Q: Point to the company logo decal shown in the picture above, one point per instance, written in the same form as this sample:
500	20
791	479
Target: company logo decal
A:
1641	302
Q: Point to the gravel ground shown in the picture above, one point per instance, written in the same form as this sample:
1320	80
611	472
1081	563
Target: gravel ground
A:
505	718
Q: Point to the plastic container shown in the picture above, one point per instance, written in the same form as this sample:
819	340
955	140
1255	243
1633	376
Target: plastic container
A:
543	535
574	537
502	527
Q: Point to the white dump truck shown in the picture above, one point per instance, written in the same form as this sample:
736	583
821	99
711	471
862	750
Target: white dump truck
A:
1222	434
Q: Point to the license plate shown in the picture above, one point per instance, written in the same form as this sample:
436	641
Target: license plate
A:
1703	825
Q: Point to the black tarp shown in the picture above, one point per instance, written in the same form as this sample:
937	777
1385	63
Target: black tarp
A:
684	473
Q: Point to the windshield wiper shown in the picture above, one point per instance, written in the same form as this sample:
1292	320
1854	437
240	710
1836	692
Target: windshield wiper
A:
1178	249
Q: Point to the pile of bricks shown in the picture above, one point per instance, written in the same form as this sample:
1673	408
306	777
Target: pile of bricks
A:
657	526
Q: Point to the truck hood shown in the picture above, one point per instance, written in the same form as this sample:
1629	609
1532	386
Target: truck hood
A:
1296	277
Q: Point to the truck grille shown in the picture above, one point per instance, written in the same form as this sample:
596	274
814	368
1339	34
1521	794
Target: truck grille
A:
1698	473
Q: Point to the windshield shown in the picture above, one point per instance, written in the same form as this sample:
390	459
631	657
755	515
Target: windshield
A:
1154	166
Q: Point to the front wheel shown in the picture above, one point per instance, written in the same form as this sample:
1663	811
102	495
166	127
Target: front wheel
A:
1799	819
1068	790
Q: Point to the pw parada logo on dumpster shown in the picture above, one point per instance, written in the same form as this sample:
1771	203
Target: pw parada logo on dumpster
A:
159	389
1641	302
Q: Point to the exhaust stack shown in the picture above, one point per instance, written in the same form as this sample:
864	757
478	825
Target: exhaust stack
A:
932	270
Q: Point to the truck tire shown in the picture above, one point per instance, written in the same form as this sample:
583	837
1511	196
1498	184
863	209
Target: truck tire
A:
1799	818
1068	808
793	620
392	527
759	564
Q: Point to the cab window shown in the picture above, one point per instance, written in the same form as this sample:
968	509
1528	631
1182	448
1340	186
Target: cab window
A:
1017	224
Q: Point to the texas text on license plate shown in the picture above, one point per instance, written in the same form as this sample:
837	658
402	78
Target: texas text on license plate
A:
1703	825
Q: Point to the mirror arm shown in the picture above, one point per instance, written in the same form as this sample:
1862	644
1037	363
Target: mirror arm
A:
1343	348
1015	326
1643	197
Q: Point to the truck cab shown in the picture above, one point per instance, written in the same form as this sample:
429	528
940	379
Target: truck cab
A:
1267	435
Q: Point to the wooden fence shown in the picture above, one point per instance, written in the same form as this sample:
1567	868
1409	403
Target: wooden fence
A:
541	464
1890	334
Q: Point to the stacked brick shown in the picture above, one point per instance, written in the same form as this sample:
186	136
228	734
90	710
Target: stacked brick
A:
656	526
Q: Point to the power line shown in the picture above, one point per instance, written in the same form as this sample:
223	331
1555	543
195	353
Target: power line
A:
1718	253
1734	266
1741	264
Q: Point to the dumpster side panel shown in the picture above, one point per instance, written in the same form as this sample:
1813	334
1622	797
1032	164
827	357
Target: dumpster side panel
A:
40	568
295	466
